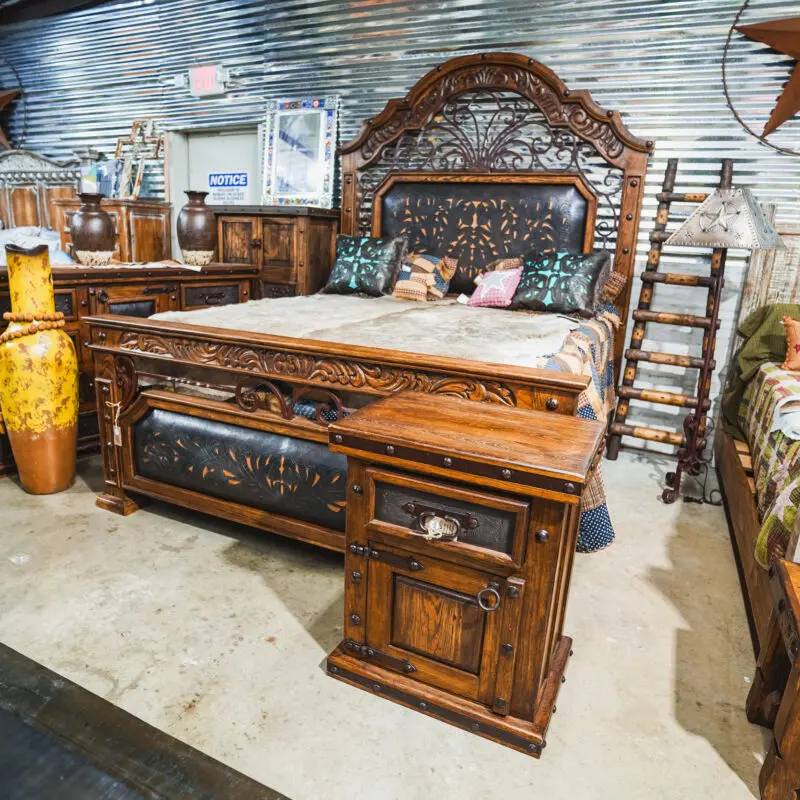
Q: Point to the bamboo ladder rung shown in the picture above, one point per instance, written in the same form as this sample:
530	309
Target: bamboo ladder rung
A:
679	197
673	359
677	278
668	318
651	434
664	398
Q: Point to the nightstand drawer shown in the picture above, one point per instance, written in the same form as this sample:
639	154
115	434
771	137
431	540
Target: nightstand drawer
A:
462	522
278	289
209	295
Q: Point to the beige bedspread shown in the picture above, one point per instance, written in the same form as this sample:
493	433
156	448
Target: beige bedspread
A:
442	328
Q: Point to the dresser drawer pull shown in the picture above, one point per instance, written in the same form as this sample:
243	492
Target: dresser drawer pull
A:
435	527
487	592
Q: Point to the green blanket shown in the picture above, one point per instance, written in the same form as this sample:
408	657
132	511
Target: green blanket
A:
765	341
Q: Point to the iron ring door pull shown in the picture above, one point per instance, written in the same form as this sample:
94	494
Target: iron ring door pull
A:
436	527
488	591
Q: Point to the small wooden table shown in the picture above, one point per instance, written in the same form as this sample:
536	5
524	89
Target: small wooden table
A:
774	699
462	519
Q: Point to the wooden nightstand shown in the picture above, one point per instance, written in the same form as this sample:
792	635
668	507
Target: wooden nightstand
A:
774	699
293	247
462	520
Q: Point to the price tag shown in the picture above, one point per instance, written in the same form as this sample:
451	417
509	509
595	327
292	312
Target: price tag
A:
118	436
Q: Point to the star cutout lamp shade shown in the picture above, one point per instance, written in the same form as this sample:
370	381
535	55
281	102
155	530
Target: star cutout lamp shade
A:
728	218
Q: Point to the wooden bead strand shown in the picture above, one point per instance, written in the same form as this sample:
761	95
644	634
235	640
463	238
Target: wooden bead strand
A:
40	321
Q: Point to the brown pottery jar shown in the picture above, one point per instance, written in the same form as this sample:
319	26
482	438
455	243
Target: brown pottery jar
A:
93	233
197	230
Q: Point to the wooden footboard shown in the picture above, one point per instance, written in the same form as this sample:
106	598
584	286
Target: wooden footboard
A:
205	417
735	471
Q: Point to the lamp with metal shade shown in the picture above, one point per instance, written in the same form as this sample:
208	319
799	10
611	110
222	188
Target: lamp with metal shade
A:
730	218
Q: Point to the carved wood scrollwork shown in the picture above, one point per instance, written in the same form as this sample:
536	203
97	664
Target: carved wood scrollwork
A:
340	372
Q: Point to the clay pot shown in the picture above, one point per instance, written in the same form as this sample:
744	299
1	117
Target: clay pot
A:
38	377
93	234
197	230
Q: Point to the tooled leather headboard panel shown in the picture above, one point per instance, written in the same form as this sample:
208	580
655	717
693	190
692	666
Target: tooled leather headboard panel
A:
502	114
480	219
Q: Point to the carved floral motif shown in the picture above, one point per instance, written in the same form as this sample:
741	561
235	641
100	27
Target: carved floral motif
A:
354	375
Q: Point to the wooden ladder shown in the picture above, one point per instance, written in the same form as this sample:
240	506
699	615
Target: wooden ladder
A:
691	441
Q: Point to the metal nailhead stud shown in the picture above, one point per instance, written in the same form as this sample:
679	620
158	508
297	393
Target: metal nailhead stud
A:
389	450
447	461
423	706
569	488
532	748
356	488
542	535
551	404
333	669
506	473
476	726
338	438
376	687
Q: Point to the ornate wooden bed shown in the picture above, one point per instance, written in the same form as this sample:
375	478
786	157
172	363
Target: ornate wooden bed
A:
487	156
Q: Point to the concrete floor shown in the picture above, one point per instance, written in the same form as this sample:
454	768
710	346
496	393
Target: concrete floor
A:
215	634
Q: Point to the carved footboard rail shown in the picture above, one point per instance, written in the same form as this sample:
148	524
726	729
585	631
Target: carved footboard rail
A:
235	424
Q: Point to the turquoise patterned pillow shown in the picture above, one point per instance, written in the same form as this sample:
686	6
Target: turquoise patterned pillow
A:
565	283
365	265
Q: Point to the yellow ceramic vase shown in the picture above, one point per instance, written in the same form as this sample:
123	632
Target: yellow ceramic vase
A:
38	376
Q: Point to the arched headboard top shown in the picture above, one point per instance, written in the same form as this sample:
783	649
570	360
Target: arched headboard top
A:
490	154
500	71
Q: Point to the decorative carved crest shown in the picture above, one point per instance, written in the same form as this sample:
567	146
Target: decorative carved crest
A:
24	166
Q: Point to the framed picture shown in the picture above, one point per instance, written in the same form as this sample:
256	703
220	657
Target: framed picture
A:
299	152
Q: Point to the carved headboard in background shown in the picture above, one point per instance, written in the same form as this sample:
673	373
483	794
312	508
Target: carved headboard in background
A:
492	155
30	184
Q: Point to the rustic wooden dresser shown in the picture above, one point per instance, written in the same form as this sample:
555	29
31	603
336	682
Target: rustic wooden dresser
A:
462	521
293	247
131	291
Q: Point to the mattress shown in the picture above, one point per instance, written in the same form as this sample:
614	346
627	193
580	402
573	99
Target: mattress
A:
443	328
449	328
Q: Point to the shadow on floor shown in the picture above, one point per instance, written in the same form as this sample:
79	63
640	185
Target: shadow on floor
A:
278	561
708	664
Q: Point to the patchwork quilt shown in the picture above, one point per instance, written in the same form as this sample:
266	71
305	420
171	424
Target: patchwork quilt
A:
776	459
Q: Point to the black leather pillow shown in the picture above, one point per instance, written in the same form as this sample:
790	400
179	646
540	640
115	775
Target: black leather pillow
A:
365	265
566	283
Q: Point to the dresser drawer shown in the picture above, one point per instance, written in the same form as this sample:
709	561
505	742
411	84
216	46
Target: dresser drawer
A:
202	296
462	522
278	289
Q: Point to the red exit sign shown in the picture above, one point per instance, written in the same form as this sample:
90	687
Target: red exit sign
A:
206	80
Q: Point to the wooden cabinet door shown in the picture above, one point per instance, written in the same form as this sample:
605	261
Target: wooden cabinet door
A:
279	248
149	235
134	301
443	624
238	241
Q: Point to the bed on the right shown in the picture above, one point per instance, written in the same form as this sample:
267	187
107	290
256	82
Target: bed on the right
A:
757	445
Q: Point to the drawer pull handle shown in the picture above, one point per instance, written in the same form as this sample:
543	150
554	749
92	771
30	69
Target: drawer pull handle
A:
489	591
435	527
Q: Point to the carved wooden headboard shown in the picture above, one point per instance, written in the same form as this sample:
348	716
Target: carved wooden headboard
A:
30	184
492	155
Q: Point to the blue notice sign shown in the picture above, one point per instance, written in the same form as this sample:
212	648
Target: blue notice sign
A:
227	179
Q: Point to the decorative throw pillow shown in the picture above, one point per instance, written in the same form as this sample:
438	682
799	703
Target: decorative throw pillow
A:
502	264
442	275
365	265
792	361
566	283
411	290
433	272
496	289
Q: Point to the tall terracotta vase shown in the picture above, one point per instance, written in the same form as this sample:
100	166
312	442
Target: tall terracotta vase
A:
38	376
197	230
93	234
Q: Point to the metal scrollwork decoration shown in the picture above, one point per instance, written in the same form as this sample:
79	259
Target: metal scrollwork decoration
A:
485	130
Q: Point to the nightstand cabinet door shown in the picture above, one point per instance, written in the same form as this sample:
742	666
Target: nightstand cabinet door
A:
238	240
279	248
444	625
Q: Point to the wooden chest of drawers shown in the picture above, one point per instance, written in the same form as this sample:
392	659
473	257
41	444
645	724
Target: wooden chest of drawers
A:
130	291
293	247
462	520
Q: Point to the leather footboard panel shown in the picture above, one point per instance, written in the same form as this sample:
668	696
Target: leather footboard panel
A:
293	477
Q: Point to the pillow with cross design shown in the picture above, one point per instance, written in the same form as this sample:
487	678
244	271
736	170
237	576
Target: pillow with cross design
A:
564	283
366	265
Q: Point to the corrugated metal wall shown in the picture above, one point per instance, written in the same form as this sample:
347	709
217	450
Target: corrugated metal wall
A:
87	74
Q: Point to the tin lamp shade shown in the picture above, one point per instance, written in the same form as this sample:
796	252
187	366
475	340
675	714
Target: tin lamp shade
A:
728	218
